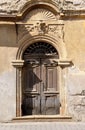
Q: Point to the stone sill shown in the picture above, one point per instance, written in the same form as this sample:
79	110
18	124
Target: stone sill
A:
45	118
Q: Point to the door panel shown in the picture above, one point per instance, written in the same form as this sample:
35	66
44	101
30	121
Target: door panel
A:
51	104
40	94
31	77
30	105
31	90
50	95
51	78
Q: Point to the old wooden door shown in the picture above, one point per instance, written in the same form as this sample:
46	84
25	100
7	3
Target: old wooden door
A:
40	88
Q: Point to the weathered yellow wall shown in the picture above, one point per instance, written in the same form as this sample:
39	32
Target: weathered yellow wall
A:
75	42
75	46
8	46
8	49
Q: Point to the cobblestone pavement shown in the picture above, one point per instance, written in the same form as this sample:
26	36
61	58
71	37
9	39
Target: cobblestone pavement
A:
42	126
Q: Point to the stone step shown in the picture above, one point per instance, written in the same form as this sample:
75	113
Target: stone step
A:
43	118
43	126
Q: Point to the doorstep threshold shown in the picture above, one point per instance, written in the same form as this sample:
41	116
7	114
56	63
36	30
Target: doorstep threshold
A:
43	118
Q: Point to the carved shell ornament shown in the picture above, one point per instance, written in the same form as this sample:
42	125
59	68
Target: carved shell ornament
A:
41	21
41	14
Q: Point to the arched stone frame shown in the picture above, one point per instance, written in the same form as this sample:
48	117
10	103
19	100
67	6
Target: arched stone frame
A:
59	45
26	41
51	5
62	62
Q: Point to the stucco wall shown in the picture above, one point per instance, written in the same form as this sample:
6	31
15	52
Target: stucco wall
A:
75	46
8	48
74	39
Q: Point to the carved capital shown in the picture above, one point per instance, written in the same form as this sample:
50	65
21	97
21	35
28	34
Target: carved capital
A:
63	63
18	63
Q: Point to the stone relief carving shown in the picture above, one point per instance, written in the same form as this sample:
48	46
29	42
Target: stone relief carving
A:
74	4
41	28
41	14
10	6
42	21
58	2
13	7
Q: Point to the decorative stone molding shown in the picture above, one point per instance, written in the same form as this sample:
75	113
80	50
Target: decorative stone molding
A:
16	10
18	63
41	14
63	63
74	5
41	28
18	6
73	8
26	41
59	62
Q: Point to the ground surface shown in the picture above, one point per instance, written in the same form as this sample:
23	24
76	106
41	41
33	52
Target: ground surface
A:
42	126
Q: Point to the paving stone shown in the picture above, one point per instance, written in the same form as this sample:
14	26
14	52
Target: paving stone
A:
42	126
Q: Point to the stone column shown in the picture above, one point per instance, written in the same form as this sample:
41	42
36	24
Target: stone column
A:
62	73
18	64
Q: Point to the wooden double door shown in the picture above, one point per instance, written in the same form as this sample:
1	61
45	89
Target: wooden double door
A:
40	92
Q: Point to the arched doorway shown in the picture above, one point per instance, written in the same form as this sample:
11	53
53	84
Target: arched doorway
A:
40	91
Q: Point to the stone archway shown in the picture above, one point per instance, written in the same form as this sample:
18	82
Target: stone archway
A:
60	61
19	63
46	29
52	5
56	43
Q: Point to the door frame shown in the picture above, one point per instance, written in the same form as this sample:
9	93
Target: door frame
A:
44	63
62	71
62	63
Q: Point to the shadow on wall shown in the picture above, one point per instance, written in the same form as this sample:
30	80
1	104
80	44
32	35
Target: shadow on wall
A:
30	79
8	35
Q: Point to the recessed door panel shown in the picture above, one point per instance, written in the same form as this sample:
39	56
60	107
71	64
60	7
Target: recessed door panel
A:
51	73
30	105
31	77
52	106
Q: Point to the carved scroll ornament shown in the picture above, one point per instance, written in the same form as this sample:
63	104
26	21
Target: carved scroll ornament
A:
41	28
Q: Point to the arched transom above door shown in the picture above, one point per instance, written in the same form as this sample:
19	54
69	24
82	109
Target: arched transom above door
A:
40	48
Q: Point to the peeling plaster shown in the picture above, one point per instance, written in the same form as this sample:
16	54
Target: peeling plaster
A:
75	70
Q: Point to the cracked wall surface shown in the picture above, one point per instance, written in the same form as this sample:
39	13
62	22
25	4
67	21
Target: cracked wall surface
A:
75	46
